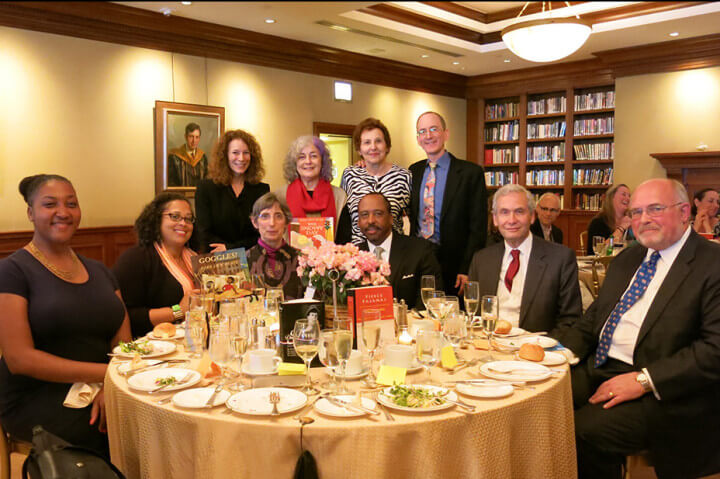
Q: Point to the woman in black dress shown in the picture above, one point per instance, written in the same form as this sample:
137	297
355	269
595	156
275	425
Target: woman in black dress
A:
61	315
156	276
612	219
223	203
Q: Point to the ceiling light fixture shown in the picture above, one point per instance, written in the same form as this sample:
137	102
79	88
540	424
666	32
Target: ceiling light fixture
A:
674	34
547	39
507	60
186	3
456	63
269	20
425	56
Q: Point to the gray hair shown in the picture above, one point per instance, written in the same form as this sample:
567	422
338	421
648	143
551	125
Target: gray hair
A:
509	189
267	201
290	164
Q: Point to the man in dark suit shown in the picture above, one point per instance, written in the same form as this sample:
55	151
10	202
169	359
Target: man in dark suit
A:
410	258
649	347
536	281
448	202
546	212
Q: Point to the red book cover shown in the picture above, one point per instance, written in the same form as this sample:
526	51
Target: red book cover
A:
372	305
310	231
488	157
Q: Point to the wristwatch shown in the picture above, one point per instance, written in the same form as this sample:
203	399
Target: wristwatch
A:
176	312
644	382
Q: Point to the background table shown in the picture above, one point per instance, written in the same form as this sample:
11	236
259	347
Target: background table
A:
528	434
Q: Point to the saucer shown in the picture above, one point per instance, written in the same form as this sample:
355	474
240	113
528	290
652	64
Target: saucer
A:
248	372
359	375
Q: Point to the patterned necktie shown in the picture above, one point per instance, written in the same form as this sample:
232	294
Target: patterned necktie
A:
378	253
637	289
512	269
427	226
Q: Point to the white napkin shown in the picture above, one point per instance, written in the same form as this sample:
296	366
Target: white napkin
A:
82	395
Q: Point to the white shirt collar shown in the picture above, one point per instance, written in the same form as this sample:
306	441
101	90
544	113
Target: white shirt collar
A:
669	254
524	247
385	245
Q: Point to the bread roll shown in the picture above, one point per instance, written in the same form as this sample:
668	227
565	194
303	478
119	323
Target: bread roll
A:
503	327
164	330
531	352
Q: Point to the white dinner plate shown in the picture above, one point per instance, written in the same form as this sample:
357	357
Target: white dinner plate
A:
386	399
256	402
514	343
145	381
551	359
323	406
350	377
249	372
124	367
487	391
179	334
197	397
515	371
160	348
412	369
513	332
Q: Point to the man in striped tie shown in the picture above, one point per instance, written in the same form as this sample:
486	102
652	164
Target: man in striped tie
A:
649	348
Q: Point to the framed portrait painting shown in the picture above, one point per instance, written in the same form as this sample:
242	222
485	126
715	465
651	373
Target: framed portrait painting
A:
185	135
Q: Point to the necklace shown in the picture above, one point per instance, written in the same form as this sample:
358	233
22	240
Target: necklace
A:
66	275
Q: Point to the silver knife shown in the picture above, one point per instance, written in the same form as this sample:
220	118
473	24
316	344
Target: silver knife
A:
209	402
350	406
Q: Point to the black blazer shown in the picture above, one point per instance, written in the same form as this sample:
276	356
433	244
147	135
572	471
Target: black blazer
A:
551	298
556	233
410	259
678	343
463	219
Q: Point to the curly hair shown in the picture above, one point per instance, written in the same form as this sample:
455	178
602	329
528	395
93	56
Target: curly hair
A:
147	225
370	124
290	164
219	170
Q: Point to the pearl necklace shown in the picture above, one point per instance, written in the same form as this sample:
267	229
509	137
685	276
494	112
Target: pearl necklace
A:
66	275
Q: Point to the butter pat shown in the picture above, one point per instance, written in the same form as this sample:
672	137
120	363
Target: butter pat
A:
391	375
291	369
448	358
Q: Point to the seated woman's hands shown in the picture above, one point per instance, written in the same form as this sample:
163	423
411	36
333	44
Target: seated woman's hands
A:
702	221
97	414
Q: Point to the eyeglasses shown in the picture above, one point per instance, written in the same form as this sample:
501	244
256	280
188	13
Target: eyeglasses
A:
432	130
551	210
177	218
653	211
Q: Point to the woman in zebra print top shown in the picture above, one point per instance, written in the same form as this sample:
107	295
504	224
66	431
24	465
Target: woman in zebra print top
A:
372	141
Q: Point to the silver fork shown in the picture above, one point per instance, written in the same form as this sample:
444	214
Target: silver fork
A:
274	400
183	380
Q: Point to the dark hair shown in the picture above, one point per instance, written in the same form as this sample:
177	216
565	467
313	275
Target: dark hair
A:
29	185
219	170
190	127
147	225
700	195
370	124
384	198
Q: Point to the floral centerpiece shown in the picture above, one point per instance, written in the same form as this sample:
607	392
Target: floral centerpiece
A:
355	268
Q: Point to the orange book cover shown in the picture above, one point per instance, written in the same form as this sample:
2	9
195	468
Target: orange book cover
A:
310	231
372	305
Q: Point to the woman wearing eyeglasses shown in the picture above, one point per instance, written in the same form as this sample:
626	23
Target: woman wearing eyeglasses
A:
156	276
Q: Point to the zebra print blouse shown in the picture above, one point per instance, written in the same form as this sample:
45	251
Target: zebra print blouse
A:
394	185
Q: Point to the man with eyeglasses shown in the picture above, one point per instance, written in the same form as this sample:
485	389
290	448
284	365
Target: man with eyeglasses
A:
448	202
649	348
548	210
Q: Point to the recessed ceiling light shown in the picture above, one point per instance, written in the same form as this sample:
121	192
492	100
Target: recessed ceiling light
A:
674	34
424	56
456	63
186	3
269	20
507	60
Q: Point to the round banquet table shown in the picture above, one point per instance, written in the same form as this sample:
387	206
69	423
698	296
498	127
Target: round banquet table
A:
527	434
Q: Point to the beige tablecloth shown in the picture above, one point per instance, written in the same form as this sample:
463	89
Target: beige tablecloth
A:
527	435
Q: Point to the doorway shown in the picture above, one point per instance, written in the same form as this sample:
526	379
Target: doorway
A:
338	138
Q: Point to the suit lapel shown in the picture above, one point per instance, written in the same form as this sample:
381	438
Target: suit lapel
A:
396	258
535	271
451	186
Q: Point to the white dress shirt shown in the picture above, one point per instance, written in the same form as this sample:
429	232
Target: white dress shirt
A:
509	302
385	245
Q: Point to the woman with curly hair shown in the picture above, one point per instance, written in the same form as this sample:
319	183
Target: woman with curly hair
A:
308	171
156	276
224	202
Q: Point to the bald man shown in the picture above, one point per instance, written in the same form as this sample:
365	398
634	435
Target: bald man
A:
547	211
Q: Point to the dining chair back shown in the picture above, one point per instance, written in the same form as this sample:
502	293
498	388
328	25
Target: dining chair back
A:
583	241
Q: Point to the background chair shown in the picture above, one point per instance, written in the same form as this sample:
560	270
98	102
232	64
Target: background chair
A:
583	241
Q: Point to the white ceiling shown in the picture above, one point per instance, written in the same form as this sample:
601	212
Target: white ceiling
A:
297	20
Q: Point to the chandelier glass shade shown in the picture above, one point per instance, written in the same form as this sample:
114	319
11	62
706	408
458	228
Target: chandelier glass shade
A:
546	40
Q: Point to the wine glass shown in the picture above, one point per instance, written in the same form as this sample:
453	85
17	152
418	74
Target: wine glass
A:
275	292
489	314
194	331
427	286
434	305
343	348
258	286
471	297
454	328
306	336
598	245
328	357
371	339
427	348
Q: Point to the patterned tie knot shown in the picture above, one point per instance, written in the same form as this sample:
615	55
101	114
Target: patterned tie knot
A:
432	164
378	252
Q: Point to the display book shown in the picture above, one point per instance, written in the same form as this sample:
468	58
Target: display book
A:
290	312
310	231
225	273
372	305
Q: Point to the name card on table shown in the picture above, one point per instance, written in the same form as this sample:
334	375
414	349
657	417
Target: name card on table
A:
391	375
310	231
448	358
372	306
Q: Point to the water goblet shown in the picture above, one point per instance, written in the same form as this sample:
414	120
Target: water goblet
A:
328	357
306	336
489	315
471	297
343	347
427	348
427	287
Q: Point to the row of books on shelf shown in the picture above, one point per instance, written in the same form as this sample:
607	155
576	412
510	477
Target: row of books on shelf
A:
592	176
501	110
561	196
545	130
594	126
595	151
545	178
500	178
546	153
547	106
499	156
595	101
588	201
503	132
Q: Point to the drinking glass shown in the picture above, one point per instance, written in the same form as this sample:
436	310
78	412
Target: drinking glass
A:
454	328
471	297
306	336
371	340
598	245
195	331
452	303
271	313
343	348
427	348
220	350
328	357
258	286
489	314
433	305
427	286
275	292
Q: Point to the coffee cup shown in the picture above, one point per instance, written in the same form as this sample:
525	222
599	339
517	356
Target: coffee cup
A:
355	363
398	355
418	324
261	361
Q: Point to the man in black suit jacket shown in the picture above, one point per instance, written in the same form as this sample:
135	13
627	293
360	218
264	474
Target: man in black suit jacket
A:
656	384
547	211
459	227
545	293
410	258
